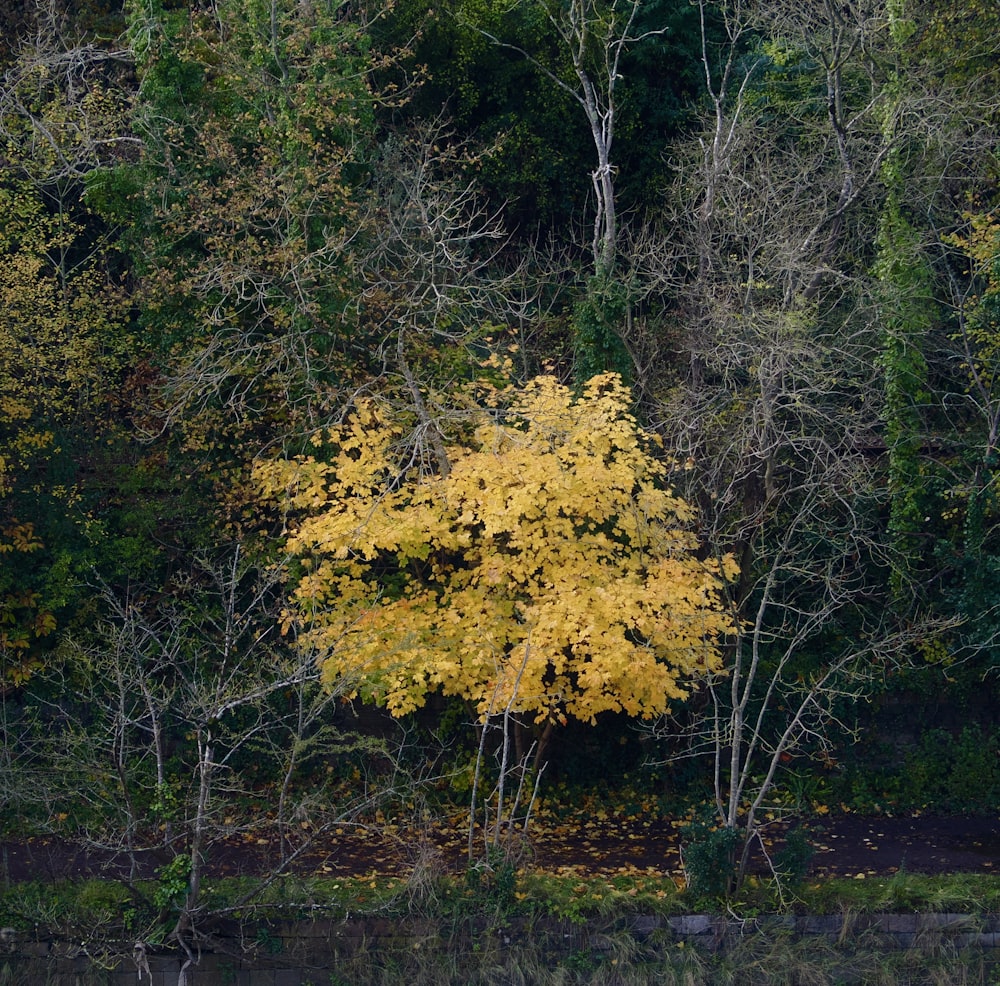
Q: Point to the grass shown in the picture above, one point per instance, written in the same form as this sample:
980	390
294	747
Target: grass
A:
69	906
903	893
756	962
612	958
558	930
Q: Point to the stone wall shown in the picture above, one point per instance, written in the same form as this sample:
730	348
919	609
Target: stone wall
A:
308	953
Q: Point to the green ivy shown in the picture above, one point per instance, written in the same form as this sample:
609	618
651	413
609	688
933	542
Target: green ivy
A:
599	320
908	312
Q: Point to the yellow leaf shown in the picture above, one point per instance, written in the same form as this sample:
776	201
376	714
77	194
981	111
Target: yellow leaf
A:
550	572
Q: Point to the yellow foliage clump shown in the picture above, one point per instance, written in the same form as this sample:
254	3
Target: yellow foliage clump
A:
550	571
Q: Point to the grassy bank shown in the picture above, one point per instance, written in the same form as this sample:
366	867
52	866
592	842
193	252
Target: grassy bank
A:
618	959
116	909
467	949
70	908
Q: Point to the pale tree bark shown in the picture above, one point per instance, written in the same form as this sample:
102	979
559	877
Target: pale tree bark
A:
595	36
506	840
250	214
65	105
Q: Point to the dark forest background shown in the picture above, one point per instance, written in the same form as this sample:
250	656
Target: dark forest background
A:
224	224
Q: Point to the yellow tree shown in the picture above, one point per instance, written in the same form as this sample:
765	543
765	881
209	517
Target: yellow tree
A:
64	344
550	571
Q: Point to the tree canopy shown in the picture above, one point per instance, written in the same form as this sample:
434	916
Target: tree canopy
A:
265	269
549	571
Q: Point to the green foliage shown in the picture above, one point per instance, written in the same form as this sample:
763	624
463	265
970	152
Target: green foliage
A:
969	547
710	856
255	129
166	803
908	313
541	148
954	773
494	882
220	200
63	906
662	84
949	44
945	771
542	153
791	862
172	883
65	341
599	322
975	586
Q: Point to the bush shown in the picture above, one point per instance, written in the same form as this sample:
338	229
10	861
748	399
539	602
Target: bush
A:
944	771
710	859
791	862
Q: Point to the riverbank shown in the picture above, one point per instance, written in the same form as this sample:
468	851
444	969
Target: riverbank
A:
632	950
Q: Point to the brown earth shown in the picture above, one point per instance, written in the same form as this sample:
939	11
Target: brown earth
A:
845	845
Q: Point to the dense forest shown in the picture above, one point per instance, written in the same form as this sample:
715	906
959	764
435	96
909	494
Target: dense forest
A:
414	402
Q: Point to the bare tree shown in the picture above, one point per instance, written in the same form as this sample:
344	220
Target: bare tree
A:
595	36
776	406
435	288
152	739
251	212
503	815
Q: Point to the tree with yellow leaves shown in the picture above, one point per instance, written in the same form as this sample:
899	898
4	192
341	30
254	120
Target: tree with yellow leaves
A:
550	571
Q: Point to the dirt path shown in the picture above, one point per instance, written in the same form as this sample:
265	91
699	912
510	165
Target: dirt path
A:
846	845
